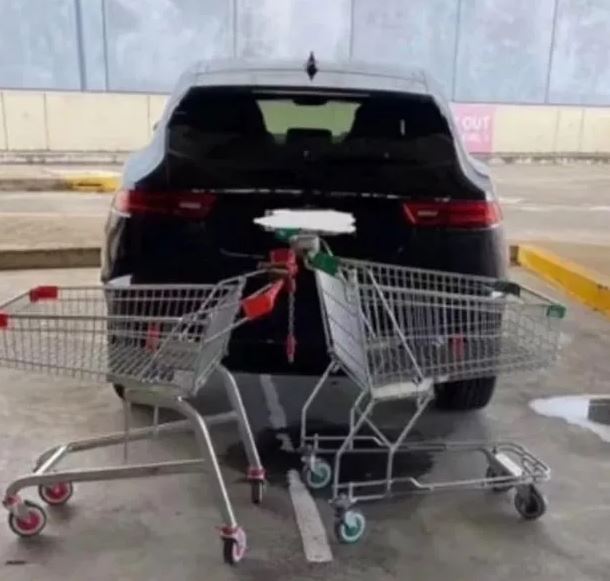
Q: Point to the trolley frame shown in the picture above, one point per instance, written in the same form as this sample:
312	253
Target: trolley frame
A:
195	341
343	284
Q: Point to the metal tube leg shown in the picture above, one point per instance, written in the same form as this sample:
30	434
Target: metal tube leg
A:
355	409
53	459
126	427
205	444
255	469
312	396
106	440
202	435
354	414
347	443
421	408
104	474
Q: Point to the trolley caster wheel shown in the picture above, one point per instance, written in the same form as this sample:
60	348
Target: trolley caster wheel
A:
257	490
349	527
530	505
30	526
234	546
56	494
493	473
318	474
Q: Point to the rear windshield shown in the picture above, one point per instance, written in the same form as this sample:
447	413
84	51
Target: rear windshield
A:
341	142
333	119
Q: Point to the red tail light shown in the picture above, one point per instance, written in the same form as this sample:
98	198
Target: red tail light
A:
453	213
195	205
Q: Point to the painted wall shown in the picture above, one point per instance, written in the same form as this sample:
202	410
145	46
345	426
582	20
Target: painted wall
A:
75	121
487	51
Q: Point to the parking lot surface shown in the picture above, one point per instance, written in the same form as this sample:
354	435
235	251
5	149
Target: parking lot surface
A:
566	204
165	528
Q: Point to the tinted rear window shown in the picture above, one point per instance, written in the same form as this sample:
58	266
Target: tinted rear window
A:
342	142
281	115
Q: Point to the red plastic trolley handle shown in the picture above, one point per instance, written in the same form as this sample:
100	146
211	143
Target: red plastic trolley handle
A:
44	293
39	293
261	304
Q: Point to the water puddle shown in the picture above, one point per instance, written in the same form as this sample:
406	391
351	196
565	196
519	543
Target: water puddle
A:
355	466
578	410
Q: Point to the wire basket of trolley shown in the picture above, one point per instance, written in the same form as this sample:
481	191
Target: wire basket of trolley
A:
396	332
162	343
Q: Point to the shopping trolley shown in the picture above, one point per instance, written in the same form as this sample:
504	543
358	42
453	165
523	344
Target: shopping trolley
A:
396	332
162	344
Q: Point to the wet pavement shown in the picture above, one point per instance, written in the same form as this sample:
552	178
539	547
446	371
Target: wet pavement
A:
164	528
586	411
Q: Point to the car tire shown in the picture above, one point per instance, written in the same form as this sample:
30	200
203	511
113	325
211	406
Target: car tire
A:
471	394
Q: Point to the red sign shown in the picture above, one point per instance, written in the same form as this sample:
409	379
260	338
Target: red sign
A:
476	125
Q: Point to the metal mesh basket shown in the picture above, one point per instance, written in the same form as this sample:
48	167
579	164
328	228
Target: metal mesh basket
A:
390	324
170	335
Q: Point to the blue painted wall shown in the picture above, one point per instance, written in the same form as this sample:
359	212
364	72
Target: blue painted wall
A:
510	51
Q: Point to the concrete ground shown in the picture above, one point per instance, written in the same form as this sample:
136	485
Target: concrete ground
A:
164	528
51	219
565	208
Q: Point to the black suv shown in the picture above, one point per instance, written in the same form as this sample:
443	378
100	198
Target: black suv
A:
238	139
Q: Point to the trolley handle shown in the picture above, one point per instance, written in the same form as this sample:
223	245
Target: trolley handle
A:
262	302
283	265
555	309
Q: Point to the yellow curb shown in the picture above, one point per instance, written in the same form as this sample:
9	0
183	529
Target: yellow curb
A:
589	287
92	183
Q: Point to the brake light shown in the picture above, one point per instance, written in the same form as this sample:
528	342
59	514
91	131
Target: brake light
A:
453	213
188	204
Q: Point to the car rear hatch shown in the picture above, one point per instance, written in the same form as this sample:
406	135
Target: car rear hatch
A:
391	160
234	154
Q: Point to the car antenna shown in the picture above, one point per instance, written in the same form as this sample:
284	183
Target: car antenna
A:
311	66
